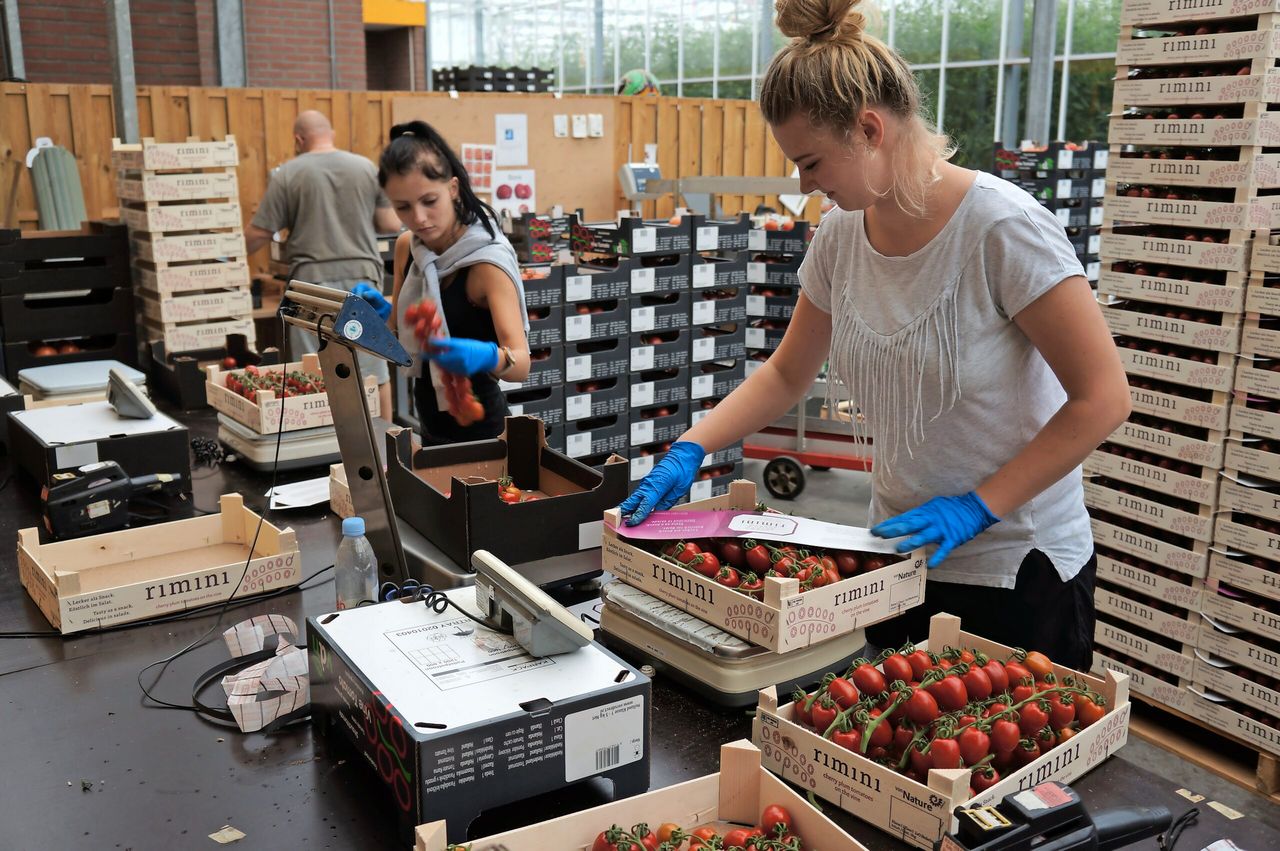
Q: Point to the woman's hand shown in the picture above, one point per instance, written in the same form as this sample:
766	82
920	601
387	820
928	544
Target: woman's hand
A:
665	483
462	356
375	298
947	521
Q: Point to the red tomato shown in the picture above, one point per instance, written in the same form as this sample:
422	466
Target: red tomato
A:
974	745
701	836
1062	711
868	679
882	735
728	577
984	778
848	563
977	684
1046	739
922	708
737	838
773	816
920	663
647	838
946	753
758	559
851	739
896	667
1088	711
843	692
1004	736
996	673
1038	664
823	713
950	694
613	839
1026	752
731	553
1033	717
1017	672
708	565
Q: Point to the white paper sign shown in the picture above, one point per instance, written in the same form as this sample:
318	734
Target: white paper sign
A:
755	305
514	191
577	407
642	394
642	318
642	359
578	368
516	410
708	238
577	445
604	737
577	288
644	240
511	139
642	432
704	349
577	327
640	466
704	275
643	280
702	386
704	312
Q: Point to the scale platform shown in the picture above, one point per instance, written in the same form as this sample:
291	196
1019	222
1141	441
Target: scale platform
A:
308	447
719	666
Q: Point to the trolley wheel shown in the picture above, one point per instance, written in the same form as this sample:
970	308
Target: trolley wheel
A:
784	478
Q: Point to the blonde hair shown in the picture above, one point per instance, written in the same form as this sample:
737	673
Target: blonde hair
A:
832	70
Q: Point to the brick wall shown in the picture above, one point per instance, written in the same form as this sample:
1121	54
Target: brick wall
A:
387	59
288	44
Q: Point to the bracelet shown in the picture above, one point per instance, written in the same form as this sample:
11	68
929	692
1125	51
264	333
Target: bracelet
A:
509	360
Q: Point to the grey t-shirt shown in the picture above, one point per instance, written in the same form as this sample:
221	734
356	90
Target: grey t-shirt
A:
326	200
950	387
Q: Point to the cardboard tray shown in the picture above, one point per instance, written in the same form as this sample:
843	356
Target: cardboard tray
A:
1128	608
1174	662
1239	613
1208	376
1162	11
714	272
786	619
917	813
1144	580
74	314
300	412
718	342
737	794
150	155
1173	695
196	336
135	574
155	217
471	516
1214	47
1202	488
190	277
1193	562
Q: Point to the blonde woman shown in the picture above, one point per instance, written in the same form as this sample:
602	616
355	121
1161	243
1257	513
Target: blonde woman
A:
955	314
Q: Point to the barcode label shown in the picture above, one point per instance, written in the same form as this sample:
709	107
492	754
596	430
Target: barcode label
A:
577	407
577	445
604	737
577	288
755	305
757	240
608	757
708	238
757	273
642	318
640	467
642	358
702	386
755	338
642	394
704	349
577	368
644	240
643	280
704	312
577	327
704	275
641	433
700	490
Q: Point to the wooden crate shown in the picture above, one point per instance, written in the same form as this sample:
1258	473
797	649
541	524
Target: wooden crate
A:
1253	421
1262	85
1165	12
197	336
1213	414
1178	370
1131	244
1243	648
1202	488
1237	613
1140	683
1260	298
136	574
157	217
1246	539
1208	452
1245	457
339	493
1212	674
1266	256
1127	607
787	618
1246	577
1144	579
1143	510
1250	173
166	280
198	307
1259	339
1261	130
917	813
1221	337
203	186
736	795
1251	213
1260	41
263	416
150	155
1180	663
183	248
1194	562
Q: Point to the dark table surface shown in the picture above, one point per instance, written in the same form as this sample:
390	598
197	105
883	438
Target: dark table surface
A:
89	766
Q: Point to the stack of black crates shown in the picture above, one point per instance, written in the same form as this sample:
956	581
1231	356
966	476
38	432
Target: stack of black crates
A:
773	276
65	297
1070	180
491	78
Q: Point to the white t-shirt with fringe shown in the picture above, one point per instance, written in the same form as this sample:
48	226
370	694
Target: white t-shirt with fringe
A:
950	388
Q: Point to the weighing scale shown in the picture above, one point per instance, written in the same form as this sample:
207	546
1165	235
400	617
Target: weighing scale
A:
721	667
308	447
75	382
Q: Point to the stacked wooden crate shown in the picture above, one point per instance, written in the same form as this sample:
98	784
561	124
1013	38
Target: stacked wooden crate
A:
181	202
1183	495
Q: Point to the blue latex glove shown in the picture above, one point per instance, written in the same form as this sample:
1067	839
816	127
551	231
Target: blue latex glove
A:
665	483
462	356
375	298
947	521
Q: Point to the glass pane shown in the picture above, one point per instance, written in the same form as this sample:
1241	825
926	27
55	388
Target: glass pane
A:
970	118
738	89
928	82
697	90
974	30
1096	25
1089	87
918	30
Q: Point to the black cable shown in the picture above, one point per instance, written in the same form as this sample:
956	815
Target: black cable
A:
1181	823
436	601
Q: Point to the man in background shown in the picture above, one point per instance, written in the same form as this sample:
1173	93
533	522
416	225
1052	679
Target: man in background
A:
329	201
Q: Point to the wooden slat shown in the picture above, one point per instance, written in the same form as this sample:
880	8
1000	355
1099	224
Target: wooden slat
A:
622	143
735	117
244	119
689	159
753	152
644	131
775	165
92	158
668	149
17	199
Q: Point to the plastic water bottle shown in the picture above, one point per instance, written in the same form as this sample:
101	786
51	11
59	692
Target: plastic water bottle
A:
355	570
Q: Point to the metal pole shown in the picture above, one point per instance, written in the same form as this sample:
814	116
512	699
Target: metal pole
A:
479	26
680	53
560	46
942	64
893	21
413	72
426	47
333	50
715	55
755	52
1004	37
231	58
15	65
123	82
1066	71
1011	121
617	45
764	45
598	47
1044	31
648	12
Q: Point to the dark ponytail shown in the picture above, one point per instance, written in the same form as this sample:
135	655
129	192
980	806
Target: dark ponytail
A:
416	146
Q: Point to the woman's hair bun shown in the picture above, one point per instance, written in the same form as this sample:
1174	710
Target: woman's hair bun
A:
820	20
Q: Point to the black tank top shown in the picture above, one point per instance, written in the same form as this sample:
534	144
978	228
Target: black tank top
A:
464	320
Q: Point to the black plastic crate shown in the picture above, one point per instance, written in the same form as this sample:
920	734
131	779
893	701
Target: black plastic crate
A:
544	287
76	313
630	237
596	359
96	257
777	271
765	334
546	369
658	273
659	387
715	379
718	306
780	241
597	397
597	320
710	272
654	350
546	326
595	283
772	302
718	342
720	235
180	378
659	423
659	312
596	436
21	355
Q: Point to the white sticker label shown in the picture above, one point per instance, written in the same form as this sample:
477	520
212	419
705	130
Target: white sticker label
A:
642	394
516	410
1095	243
75	455
642	433
590	534
704	349
1095	216
757	273
702	386
644	241
1064	188
640	466
642	318
1099	187
1064	216
1100	159
704	312
708	238
751	366
1092	270
353	329
577	407
700	490
577	327
757	240
1065	158
577	288
577	369
755	338
642	359
98	509
704	275
643	280
696	417
604	737
577	445
755	305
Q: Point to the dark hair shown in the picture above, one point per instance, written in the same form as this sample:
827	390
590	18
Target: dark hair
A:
416	145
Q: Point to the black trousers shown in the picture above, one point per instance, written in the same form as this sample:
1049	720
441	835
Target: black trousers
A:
1041	612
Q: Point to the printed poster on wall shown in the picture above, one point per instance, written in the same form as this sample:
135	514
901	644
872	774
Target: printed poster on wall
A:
511	135
478	161
514	190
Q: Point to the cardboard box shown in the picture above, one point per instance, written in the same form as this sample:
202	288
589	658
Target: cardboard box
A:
1231	531
1131	609
1219	376
1263	131
786	619
544	286
1131	244
715	379
606	319
161	218
542	403
450	494
340	493
546	326
597	436
775	271
1260	336
1213	415
668	350
597	398
1173	662
1228	298
453	718
1238	613
1172	695
772	303
921	814
136	574
596	359
195	307
718	342
1243	648
718	306
182	248
659	424
1263	87
1134	542
1214	674
1208	453
205	186
263	416
1259	499
1161	11
1229	718
781	241
546	369
1252	172
1202	488
1260	298
659	387
631	237
1143	579
1263	581
1143	510
709	272
659	312
720	235
191	277
1247	458
150	155
737	795
180	377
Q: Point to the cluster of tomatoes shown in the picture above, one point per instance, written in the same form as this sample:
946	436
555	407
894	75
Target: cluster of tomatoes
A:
41	349
957	709
251	381
426	321
743	564
773	833
510	494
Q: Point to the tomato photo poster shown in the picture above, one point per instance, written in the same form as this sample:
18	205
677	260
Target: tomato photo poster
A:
514	190
478	161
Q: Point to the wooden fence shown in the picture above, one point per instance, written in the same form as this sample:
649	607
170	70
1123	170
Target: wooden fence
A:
693	136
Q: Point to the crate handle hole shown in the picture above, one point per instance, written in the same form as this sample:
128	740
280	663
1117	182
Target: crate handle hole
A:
537	706
428	725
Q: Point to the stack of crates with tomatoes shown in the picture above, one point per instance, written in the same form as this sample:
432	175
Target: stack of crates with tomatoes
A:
1068	179
777	249
181	203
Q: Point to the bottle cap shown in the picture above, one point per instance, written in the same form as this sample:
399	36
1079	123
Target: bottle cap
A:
353	527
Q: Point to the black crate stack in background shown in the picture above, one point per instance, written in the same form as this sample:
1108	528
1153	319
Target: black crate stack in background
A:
65	297
1070	180
491	78
773	275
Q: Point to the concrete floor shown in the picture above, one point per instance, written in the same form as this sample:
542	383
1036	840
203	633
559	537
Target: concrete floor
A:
841	496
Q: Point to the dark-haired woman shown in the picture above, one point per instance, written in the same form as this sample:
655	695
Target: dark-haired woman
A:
454	254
